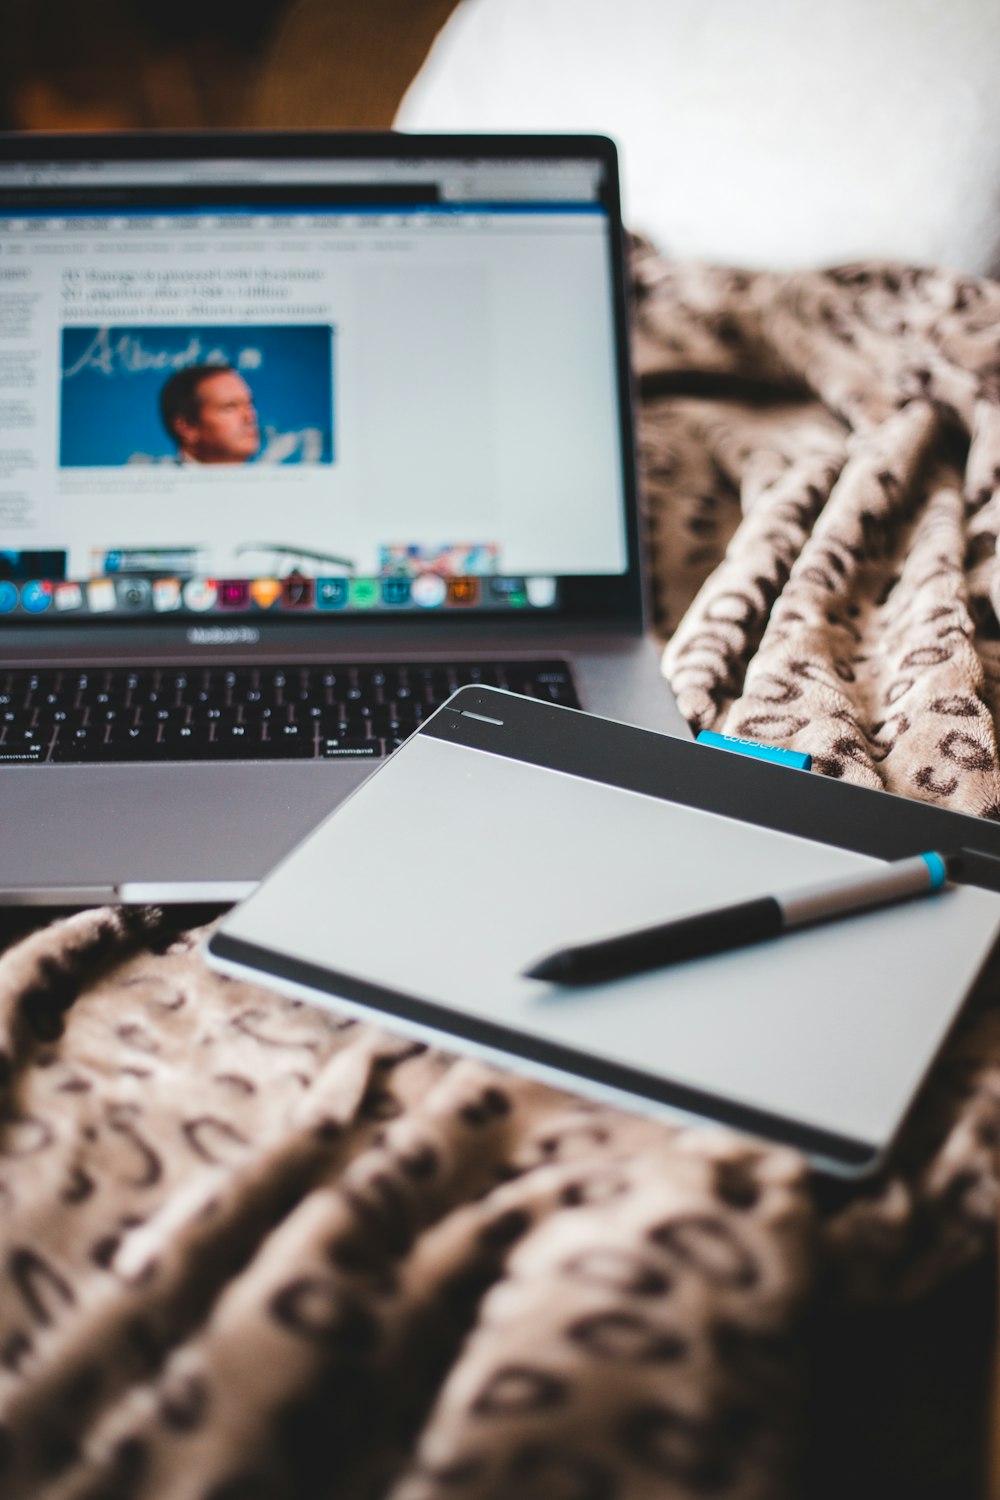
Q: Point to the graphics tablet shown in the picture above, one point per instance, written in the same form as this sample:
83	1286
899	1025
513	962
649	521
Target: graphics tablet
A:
506	828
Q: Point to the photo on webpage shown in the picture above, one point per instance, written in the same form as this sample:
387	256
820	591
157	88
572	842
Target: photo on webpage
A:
192	394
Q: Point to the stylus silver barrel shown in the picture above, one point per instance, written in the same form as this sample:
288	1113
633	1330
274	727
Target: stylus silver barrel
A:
894	882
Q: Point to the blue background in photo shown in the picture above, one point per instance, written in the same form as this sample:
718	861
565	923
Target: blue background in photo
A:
110	413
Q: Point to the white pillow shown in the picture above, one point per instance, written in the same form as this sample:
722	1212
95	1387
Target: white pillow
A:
777	133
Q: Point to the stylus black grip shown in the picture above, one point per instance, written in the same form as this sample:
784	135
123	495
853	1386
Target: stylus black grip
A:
671	942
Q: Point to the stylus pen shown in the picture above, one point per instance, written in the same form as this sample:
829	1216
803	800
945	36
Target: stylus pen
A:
747	922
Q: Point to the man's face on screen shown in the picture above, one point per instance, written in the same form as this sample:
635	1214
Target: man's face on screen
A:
226	430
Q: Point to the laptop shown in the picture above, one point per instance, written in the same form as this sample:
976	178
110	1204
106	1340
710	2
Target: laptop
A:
301	433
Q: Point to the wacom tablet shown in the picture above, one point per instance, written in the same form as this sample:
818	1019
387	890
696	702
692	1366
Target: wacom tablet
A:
506	828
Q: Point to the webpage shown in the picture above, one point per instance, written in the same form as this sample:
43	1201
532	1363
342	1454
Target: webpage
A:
259	400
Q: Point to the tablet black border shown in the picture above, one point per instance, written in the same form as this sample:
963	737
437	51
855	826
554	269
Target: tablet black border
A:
756	791
718	781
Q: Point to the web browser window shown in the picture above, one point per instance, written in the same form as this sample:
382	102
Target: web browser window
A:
314	385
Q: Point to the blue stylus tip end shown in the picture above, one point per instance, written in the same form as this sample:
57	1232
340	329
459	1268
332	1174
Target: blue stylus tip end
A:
938	868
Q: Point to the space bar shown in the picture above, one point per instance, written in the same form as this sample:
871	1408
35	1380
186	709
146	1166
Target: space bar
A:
237	747
292	747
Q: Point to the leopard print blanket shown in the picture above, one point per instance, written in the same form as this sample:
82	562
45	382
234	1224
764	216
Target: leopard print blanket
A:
254	1249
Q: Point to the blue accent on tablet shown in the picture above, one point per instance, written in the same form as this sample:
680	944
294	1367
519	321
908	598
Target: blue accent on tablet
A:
798	760
938	869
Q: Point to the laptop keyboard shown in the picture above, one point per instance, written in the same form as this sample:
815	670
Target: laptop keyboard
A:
241	713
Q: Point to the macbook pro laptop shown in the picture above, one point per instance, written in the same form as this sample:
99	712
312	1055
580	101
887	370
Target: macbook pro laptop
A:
298	434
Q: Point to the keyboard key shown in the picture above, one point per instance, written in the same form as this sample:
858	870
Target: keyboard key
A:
333	749
81	744
287	747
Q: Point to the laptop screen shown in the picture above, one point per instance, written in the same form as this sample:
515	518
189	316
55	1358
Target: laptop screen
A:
283	386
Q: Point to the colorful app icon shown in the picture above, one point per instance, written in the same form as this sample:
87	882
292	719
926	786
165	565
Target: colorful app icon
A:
36	596
509	591
541	592
463	591
234	593
68	596
396	590
298	593
166	594
101	596
134	593
365	592
264	592
200	594
8	597
429	590
331	593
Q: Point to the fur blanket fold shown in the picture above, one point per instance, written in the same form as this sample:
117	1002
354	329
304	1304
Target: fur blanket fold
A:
838	493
